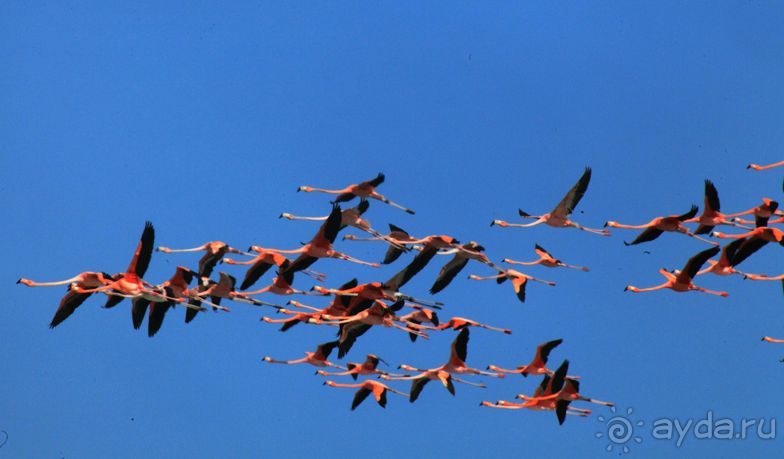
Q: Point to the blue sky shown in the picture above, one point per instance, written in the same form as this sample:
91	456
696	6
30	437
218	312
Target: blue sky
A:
205	117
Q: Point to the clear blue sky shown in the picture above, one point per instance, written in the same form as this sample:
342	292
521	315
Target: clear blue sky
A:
204	117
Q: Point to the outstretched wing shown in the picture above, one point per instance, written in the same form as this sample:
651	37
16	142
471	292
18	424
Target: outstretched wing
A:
141	258
711	197
460	347
694	264
254	273
647	235
542	252
573	197
519	286
690	214
375	182
359	397
416	388
68	305
543	350
747	247
448	272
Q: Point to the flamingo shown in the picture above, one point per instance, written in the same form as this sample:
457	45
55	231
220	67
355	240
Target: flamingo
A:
757	167
262	263
363	190
72	299
364	316
459	323
350	217
368	367
379	391
565	390
457	359
519	281
682	282
214	251
281	285
538	365
545	259
654	228
321	245
418	382
317	358
711	215
396	237
559	217
130	283
417	317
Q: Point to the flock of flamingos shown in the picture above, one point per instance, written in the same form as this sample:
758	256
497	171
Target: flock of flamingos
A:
355	308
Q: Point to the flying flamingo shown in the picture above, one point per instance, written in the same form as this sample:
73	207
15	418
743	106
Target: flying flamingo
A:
757	167
395	238
130	283
654	228
682	282
569	391
711	215
321	245
379	391
519	281
214	251
559	217
545	259
262	263
350	217
72	299
368	367
457	359
538	365
317	359
419	381
363	190
417	317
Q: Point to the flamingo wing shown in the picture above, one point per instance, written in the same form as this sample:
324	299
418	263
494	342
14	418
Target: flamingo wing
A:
543	350
459	351
690	214
559	377
360	397
573	197
560	410
374	182
694	264
68	305
351	332
711	197
141	258
157	313
745	249
448	272
138	311
254	273
648	235
323	350
416	387
519	286
542	252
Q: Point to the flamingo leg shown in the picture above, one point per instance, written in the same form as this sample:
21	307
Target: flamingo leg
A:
601	232
393	204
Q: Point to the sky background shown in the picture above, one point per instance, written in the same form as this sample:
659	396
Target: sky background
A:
204	117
